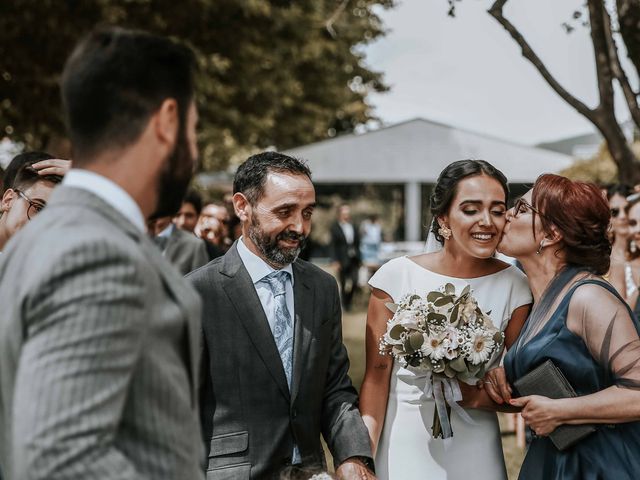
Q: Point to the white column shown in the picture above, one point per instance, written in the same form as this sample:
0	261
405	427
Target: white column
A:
412	213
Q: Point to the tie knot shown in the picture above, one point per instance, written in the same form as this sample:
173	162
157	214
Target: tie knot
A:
277	281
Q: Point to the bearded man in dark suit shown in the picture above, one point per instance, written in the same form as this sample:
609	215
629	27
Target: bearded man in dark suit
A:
275	368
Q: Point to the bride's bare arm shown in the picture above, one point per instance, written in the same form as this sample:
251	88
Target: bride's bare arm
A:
374	392
516	322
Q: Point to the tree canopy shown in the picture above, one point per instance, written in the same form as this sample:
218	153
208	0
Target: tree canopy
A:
272	72
615	28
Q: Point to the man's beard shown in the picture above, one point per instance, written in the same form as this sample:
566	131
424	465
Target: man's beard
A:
175	178
270	248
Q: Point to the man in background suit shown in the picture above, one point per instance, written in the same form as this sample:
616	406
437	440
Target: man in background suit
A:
99	335
345	253
183	249
275	368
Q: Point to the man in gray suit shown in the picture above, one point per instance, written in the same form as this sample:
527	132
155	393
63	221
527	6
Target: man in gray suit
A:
183	249
99	335
275	368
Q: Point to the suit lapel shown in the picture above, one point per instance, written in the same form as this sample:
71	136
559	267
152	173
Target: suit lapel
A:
303	296
176	286
242	293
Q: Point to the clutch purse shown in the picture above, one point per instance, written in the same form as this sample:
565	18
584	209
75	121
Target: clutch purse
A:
547	380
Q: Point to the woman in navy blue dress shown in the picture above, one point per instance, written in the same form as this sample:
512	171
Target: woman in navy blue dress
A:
558	231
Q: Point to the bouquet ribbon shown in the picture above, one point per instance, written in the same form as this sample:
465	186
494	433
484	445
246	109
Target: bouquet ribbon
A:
445	391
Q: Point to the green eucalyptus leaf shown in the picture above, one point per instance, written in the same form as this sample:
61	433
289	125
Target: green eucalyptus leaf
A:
416	340
442	301
458	364
449	372
396	332
449	289
454	315
436	317
433	296
465	290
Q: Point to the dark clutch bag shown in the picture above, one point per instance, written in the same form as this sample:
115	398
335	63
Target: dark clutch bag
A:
547	380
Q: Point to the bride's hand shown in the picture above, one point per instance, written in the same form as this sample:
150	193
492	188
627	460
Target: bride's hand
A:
496	385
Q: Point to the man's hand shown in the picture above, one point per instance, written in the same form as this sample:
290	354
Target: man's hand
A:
354	469
54	166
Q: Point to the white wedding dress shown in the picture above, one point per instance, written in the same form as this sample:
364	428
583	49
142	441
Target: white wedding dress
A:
406	449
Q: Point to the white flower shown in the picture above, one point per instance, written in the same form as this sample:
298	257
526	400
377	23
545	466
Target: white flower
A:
432	347
481	346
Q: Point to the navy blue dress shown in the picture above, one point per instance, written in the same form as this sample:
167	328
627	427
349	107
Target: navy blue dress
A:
612	452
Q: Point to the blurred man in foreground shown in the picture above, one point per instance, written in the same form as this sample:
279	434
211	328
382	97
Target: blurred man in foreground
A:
98	333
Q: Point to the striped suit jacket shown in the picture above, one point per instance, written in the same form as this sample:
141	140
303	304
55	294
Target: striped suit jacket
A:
99	346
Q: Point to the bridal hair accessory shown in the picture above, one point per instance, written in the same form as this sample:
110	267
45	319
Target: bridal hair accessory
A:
441	339
444	232
633	247
539	251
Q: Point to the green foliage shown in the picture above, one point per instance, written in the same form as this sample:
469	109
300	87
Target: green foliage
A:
273	72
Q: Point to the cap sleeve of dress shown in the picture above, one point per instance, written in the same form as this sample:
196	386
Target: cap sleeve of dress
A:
520	291
388	278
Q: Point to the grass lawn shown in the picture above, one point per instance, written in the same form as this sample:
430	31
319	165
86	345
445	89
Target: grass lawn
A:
353	332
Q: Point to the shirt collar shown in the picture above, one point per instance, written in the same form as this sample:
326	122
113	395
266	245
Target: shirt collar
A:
166	233
256	266
107	190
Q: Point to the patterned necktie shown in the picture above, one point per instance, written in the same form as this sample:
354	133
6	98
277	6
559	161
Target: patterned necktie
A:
283	328
283	331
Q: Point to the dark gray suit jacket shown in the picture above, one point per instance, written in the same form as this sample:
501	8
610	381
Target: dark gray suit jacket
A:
99	346
250	419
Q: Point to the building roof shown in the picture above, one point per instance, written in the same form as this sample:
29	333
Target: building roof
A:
418	150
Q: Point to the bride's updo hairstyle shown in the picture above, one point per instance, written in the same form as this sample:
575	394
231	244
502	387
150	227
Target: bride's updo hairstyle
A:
447	187
581	213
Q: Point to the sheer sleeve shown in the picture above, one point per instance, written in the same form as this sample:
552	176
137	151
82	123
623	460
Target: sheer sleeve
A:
610	332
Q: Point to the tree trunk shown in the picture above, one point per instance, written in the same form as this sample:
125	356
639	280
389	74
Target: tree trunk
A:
621	153
629	20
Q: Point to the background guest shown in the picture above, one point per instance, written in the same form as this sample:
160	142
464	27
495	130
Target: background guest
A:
41	162
24	197
370	239
183	249
345	254
619	274
632	266
187	217
215	211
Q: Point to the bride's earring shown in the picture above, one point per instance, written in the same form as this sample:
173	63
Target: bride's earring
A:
633	247
444	232
539	251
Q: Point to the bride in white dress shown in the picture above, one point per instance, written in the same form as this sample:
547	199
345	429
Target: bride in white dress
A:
469	205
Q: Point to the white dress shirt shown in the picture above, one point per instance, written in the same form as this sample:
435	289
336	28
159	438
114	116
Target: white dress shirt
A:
108	191
347	229
258	269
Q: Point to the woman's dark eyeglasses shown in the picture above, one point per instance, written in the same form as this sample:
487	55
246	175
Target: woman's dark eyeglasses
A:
522	206
34	206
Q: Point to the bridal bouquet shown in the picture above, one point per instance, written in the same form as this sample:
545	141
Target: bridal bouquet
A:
448	338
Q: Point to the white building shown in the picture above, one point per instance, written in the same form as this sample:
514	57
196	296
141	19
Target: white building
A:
413	153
